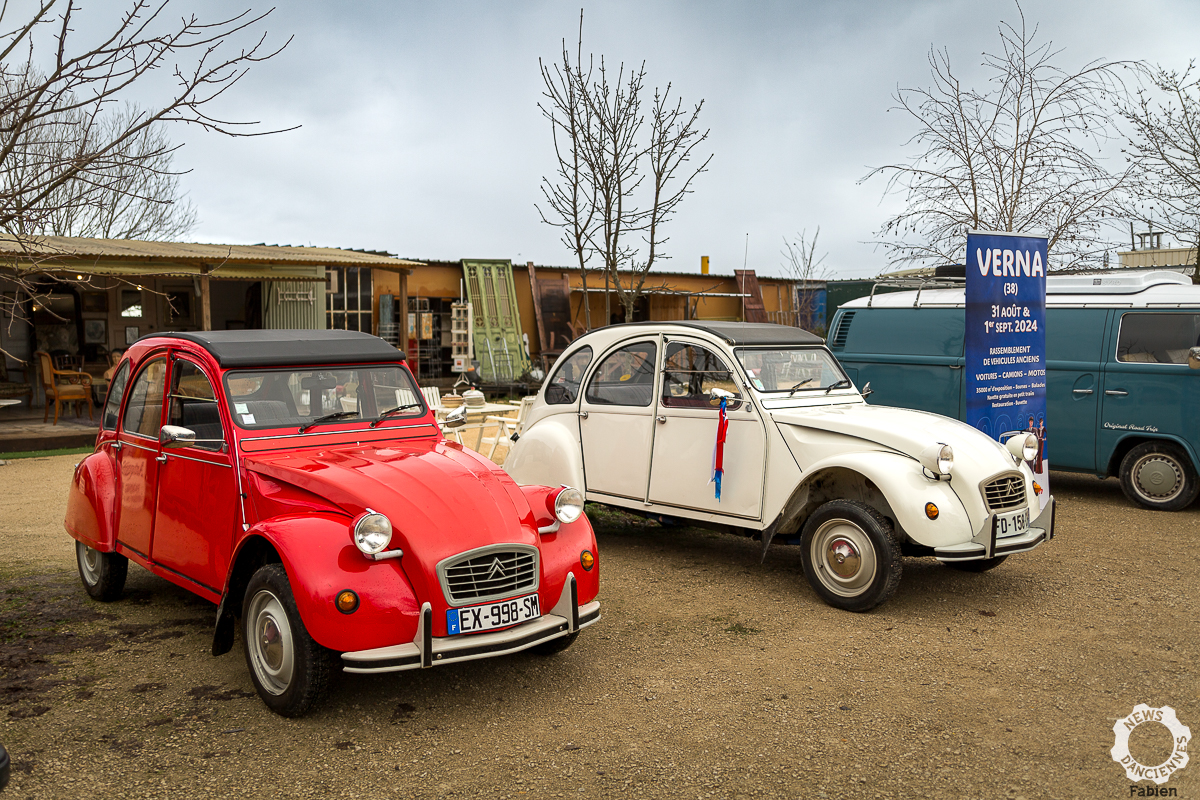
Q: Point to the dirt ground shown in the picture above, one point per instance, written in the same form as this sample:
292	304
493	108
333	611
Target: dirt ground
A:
710	675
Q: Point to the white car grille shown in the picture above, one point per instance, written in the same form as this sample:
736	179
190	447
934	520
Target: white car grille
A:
1004	493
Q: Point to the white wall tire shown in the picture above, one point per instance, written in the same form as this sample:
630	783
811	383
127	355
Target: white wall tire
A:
851	555
102	574
290	670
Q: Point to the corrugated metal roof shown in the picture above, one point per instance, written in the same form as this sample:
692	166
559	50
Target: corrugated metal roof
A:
41	247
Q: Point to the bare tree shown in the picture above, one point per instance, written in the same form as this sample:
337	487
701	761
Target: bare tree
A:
629	168
571	198
1021	155
1165	139
804	265
64	140
137	199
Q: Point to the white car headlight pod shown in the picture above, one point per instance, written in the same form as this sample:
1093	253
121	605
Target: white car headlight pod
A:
568	505
1023	447
938	458
372	533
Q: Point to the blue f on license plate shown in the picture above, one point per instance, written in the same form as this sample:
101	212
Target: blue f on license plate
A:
493	615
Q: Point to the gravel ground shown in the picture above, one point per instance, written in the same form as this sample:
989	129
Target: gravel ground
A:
710	675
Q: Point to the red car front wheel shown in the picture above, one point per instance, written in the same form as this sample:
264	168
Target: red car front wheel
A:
290	670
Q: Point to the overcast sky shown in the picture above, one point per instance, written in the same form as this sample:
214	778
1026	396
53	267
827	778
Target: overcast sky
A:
420	132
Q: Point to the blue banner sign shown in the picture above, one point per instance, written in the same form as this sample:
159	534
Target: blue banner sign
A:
1006	340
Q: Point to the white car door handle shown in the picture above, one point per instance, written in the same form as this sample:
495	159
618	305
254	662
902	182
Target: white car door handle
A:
1116	392
162	459
583	414
1082	391
661	419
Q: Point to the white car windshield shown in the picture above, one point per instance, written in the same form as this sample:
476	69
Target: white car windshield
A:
798	369
283	397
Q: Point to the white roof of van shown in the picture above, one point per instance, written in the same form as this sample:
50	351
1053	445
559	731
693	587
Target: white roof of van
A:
1157	289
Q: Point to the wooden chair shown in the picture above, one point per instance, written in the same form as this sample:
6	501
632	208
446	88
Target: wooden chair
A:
507	427
11	390
63	386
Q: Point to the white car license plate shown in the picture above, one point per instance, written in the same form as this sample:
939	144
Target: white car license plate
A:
1012	524
473	619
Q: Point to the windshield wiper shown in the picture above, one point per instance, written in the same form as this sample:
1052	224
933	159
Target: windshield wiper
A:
844	383
328	418
391	411
798	385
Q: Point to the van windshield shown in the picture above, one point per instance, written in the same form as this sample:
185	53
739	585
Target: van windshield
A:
793	368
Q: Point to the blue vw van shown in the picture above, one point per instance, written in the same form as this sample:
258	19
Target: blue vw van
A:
1122	372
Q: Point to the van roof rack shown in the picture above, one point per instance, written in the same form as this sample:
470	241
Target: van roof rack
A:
919	283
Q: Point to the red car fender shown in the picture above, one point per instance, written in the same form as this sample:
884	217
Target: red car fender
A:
321	560
561	552
91	503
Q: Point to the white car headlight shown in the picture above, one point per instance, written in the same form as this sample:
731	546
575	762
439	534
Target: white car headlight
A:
372	533
1023	447
568	505
938	458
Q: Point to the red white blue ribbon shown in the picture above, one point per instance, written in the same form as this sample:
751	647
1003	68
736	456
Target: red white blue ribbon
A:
719	448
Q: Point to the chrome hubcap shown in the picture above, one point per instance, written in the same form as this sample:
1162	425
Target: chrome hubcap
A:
271	644
1158	477
844	557
89	563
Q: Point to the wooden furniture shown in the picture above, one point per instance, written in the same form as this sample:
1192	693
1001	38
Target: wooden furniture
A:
11	390
63	386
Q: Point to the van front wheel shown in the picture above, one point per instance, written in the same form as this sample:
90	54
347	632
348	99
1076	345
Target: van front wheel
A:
1159	476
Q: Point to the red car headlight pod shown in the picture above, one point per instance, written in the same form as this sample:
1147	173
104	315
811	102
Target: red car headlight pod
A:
568	504
372	532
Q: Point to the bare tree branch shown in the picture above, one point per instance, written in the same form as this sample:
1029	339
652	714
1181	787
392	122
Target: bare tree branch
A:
1165	140
1020	155
601	196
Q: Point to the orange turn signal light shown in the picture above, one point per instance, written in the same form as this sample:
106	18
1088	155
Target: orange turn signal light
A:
587	560
1037	488
346	601
931	511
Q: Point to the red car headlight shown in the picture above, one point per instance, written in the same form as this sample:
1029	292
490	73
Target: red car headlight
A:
568	504
372	532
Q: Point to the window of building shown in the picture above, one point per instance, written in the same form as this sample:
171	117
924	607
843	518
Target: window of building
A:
348	298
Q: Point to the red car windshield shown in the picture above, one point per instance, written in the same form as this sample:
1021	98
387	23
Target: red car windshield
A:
279	398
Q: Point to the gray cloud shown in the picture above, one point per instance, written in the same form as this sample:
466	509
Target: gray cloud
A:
420	132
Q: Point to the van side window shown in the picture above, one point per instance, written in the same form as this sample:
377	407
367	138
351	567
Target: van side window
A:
1157	338
689	372
563	386
909	331
116	391
625	378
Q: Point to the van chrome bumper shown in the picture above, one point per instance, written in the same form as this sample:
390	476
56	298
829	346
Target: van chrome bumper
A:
986	545
427	650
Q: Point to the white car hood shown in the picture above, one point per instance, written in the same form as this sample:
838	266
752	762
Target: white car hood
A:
905	431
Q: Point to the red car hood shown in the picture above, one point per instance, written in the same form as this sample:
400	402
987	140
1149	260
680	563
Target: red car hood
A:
441	498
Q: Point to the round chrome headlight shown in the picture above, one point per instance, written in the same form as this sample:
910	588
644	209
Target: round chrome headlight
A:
568	505
372	533
945	459
1024	447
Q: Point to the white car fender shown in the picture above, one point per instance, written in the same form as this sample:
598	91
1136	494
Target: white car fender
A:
548	453
906	491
